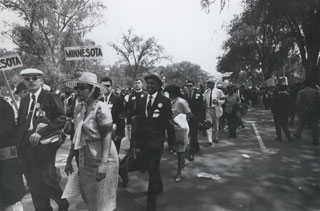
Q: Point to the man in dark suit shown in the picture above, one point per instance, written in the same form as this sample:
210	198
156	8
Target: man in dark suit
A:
41	114
11	184
132	109
154	114
195	100
281	108
116	105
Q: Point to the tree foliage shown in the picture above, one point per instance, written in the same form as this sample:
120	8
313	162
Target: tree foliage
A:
138	54
179	73
48	26
270	33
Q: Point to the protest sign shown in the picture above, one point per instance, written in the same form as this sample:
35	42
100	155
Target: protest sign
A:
83	53
9	62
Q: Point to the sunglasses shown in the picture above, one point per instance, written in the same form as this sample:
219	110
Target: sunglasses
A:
189	86
34	78
81	87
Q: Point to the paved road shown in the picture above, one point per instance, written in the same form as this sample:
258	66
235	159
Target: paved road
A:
257	174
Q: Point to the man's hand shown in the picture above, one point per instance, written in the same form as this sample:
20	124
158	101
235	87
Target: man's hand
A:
34	139
68	168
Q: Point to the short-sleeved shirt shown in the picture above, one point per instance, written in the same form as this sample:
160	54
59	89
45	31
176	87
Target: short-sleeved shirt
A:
179	106
97	114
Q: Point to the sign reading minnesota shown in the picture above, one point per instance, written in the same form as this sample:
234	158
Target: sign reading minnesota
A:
83	52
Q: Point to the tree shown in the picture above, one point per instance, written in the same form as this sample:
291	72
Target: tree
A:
297	20
45	27
138	54
179	73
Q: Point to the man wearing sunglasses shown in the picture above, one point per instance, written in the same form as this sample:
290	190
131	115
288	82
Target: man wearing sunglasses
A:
116	105
195	100
41	114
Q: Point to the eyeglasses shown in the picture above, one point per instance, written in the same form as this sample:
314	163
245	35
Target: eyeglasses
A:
34	78
81	87
189	86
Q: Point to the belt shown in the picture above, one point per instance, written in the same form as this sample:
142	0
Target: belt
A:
7	153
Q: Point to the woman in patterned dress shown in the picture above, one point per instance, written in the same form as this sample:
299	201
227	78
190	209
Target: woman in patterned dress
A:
98	159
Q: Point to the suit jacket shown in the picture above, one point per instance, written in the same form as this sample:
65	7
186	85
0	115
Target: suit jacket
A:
152	128
52	114
282	105
11	184
133	104
116	105
195	102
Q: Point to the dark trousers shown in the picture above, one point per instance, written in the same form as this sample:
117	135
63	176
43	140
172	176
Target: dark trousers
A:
232	124
194	128
117	143
155	186
43	184
281	122
312	119
171	136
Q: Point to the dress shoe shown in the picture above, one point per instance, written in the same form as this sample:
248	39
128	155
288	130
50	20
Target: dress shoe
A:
125	178
191	157
208	144
63	205
216	140
278	139
315	143
178	179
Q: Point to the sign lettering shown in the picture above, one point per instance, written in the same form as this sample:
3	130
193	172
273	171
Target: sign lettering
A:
10	62
84	52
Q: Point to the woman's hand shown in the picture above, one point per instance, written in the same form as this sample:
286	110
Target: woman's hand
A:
68	169
101	172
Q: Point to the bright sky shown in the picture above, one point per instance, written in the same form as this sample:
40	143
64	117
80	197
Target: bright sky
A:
185	31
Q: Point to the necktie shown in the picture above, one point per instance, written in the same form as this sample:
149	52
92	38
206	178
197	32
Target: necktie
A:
190	95
149	105
210	105
31	112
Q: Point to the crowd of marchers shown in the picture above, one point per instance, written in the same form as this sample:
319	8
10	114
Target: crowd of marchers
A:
95	118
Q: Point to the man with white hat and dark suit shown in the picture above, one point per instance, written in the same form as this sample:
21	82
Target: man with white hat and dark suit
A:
213	99
41	114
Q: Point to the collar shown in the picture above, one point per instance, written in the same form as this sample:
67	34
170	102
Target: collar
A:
154	95
36	94
138	91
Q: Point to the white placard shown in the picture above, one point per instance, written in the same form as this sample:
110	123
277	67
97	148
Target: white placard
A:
72	187
10	62
83	53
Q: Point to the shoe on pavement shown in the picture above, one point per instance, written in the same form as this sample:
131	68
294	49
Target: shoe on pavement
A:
208	144
191	157
278	139
315	143
216	140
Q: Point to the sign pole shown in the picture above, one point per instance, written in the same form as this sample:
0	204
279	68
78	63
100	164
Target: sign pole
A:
9	90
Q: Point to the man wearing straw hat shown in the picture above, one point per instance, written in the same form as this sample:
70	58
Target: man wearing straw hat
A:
213	99
41	114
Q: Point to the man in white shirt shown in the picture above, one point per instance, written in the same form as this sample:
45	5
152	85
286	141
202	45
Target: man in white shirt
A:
213	99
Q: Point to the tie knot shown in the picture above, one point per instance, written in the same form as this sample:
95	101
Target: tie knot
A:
150	97
33	97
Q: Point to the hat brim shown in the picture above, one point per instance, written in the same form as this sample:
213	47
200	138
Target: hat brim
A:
155	78
73	83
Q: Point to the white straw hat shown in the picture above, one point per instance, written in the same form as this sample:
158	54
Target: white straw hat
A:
86	78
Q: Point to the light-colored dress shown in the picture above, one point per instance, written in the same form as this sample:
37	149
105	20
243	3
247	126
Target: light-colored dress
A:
98	196
180	106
